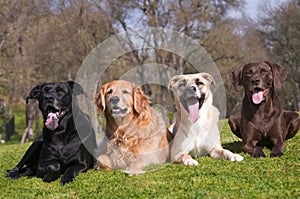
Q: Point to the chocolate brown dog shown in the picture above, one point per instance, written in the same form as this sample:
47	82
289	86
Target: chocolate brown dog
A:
262	121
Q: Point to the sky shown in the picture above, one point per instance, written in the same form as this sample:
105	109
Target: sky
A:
254	7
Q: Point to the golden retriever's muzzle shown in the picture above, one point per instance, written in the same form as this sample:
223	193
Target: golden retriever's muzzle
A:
116	108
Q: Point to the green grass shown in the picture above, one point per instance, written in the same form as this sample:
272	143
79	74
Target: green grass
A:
251	178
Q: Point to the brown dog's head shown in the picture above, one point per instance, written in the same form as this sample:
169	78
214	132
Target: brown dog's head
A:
191	91
258	79
121	98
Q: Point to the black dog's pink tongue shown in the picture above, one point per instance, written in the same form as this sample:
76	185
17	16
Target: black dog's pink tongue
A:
193	106
52	121
257	97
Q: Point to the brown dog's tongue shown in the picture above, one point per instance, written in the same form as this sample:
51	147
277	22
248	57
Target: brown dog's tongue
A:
193	106
257	97
52	121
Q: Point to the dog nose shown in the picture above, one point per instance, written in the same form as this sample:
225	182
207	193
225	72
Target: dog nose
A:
256	79
192	88
114	100
49	98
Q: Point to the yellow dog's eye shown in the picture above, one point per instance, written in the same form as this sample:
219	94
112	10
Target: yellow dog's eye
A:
126	92
199	83
109	91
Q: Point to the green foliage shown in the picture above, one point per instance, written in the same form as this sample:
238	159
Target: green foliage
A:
251	178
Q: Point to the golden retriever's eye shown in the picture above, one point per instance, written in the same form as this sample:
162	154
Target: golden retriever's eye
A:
199	83
126	92
109	91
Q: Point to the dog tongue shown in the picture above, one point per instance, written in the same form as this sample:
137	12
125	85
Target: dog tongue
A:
257	97
52	121
193	106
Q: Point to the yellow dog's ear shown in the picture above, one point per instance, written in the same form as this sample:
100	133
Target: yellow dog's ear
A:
172	82
208	77
140	100
100	99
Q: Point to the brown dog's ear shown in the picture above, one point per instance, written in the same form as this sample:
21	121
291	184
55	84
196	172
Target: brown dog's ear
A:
140	100
208	77
279	73
236	77
100	99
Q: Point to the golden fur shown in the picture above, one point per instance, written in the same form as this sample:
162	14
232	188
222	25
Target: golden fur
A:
135	135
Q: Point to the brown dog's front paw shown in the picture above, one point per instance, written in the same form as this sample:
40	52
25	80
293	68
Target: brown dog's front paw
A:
258	153
276	152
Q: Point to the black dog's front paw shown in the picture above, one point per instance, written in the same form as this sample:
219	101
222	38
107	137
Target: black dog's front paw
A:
66	179
49	177
258	153
13	173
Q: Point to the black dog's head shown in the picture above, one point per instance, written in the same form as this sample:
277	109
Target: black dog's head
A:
55	100
258	79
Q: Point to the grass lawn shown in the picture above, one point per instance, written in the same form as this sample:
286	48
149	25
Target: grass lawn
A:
251	178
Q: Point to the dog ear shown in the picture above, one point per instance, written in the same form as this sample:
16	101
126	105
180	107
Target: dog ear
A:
236	77
76	88
140	100
100	99
34	93
279	73
209	78
172	82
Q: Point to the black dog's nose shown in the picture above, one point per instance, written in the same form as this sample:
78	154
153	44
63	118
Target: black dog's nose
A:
114	100
49	98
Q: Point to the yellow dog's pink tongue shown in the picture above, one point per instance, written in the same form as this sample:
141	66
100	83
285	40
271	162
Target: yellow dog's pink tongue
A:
193	106
257	97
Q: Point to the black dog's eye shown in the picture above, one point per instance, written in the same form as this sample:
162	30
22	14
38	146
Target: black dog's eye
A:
109	91
199	83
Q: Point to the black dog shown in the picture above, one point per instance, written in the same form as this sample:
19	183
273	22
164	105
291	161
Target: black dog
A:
262	121
60	149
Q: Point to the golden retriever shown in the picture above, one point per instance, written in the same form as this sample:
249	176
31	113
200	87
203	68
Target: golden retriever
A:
196	121
136	135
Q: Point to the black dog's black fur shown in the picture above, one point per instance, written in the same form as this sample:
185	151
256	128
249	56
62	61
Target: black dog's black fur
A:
61	151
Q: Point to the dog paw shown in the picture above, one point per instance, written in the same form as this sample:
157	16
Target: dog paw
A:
190	162
276	153
66	179
13	174
49	178
237	158
258	153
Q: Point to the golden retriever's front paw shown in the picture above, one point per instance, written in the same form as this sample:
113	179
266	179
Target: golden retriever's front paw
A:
237	158
103	161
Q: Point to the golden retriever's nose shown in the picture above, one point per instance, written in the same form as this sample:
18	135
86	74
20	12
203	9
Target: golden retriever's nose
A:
114	100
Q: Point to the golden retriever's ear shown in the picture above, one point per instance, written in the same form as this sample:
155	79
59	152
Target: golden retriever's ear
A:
140	100
209	78
279	73
100	99
236	77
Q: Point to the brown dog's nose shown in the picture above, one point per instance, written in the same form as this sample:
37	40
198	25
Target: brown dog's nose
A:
114	100
256	79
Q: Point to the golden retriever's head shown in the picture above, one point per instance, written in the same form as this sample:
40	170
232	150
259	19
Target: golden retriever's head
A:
121	98
191	91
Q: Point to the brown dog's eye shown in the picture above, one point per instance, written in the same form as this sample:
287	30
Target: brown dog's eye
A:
249	73
264	71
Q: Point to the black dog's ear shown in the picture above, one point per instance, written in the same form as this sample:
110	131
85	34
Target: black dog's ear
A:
34	93
236	77
279	73
76	88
